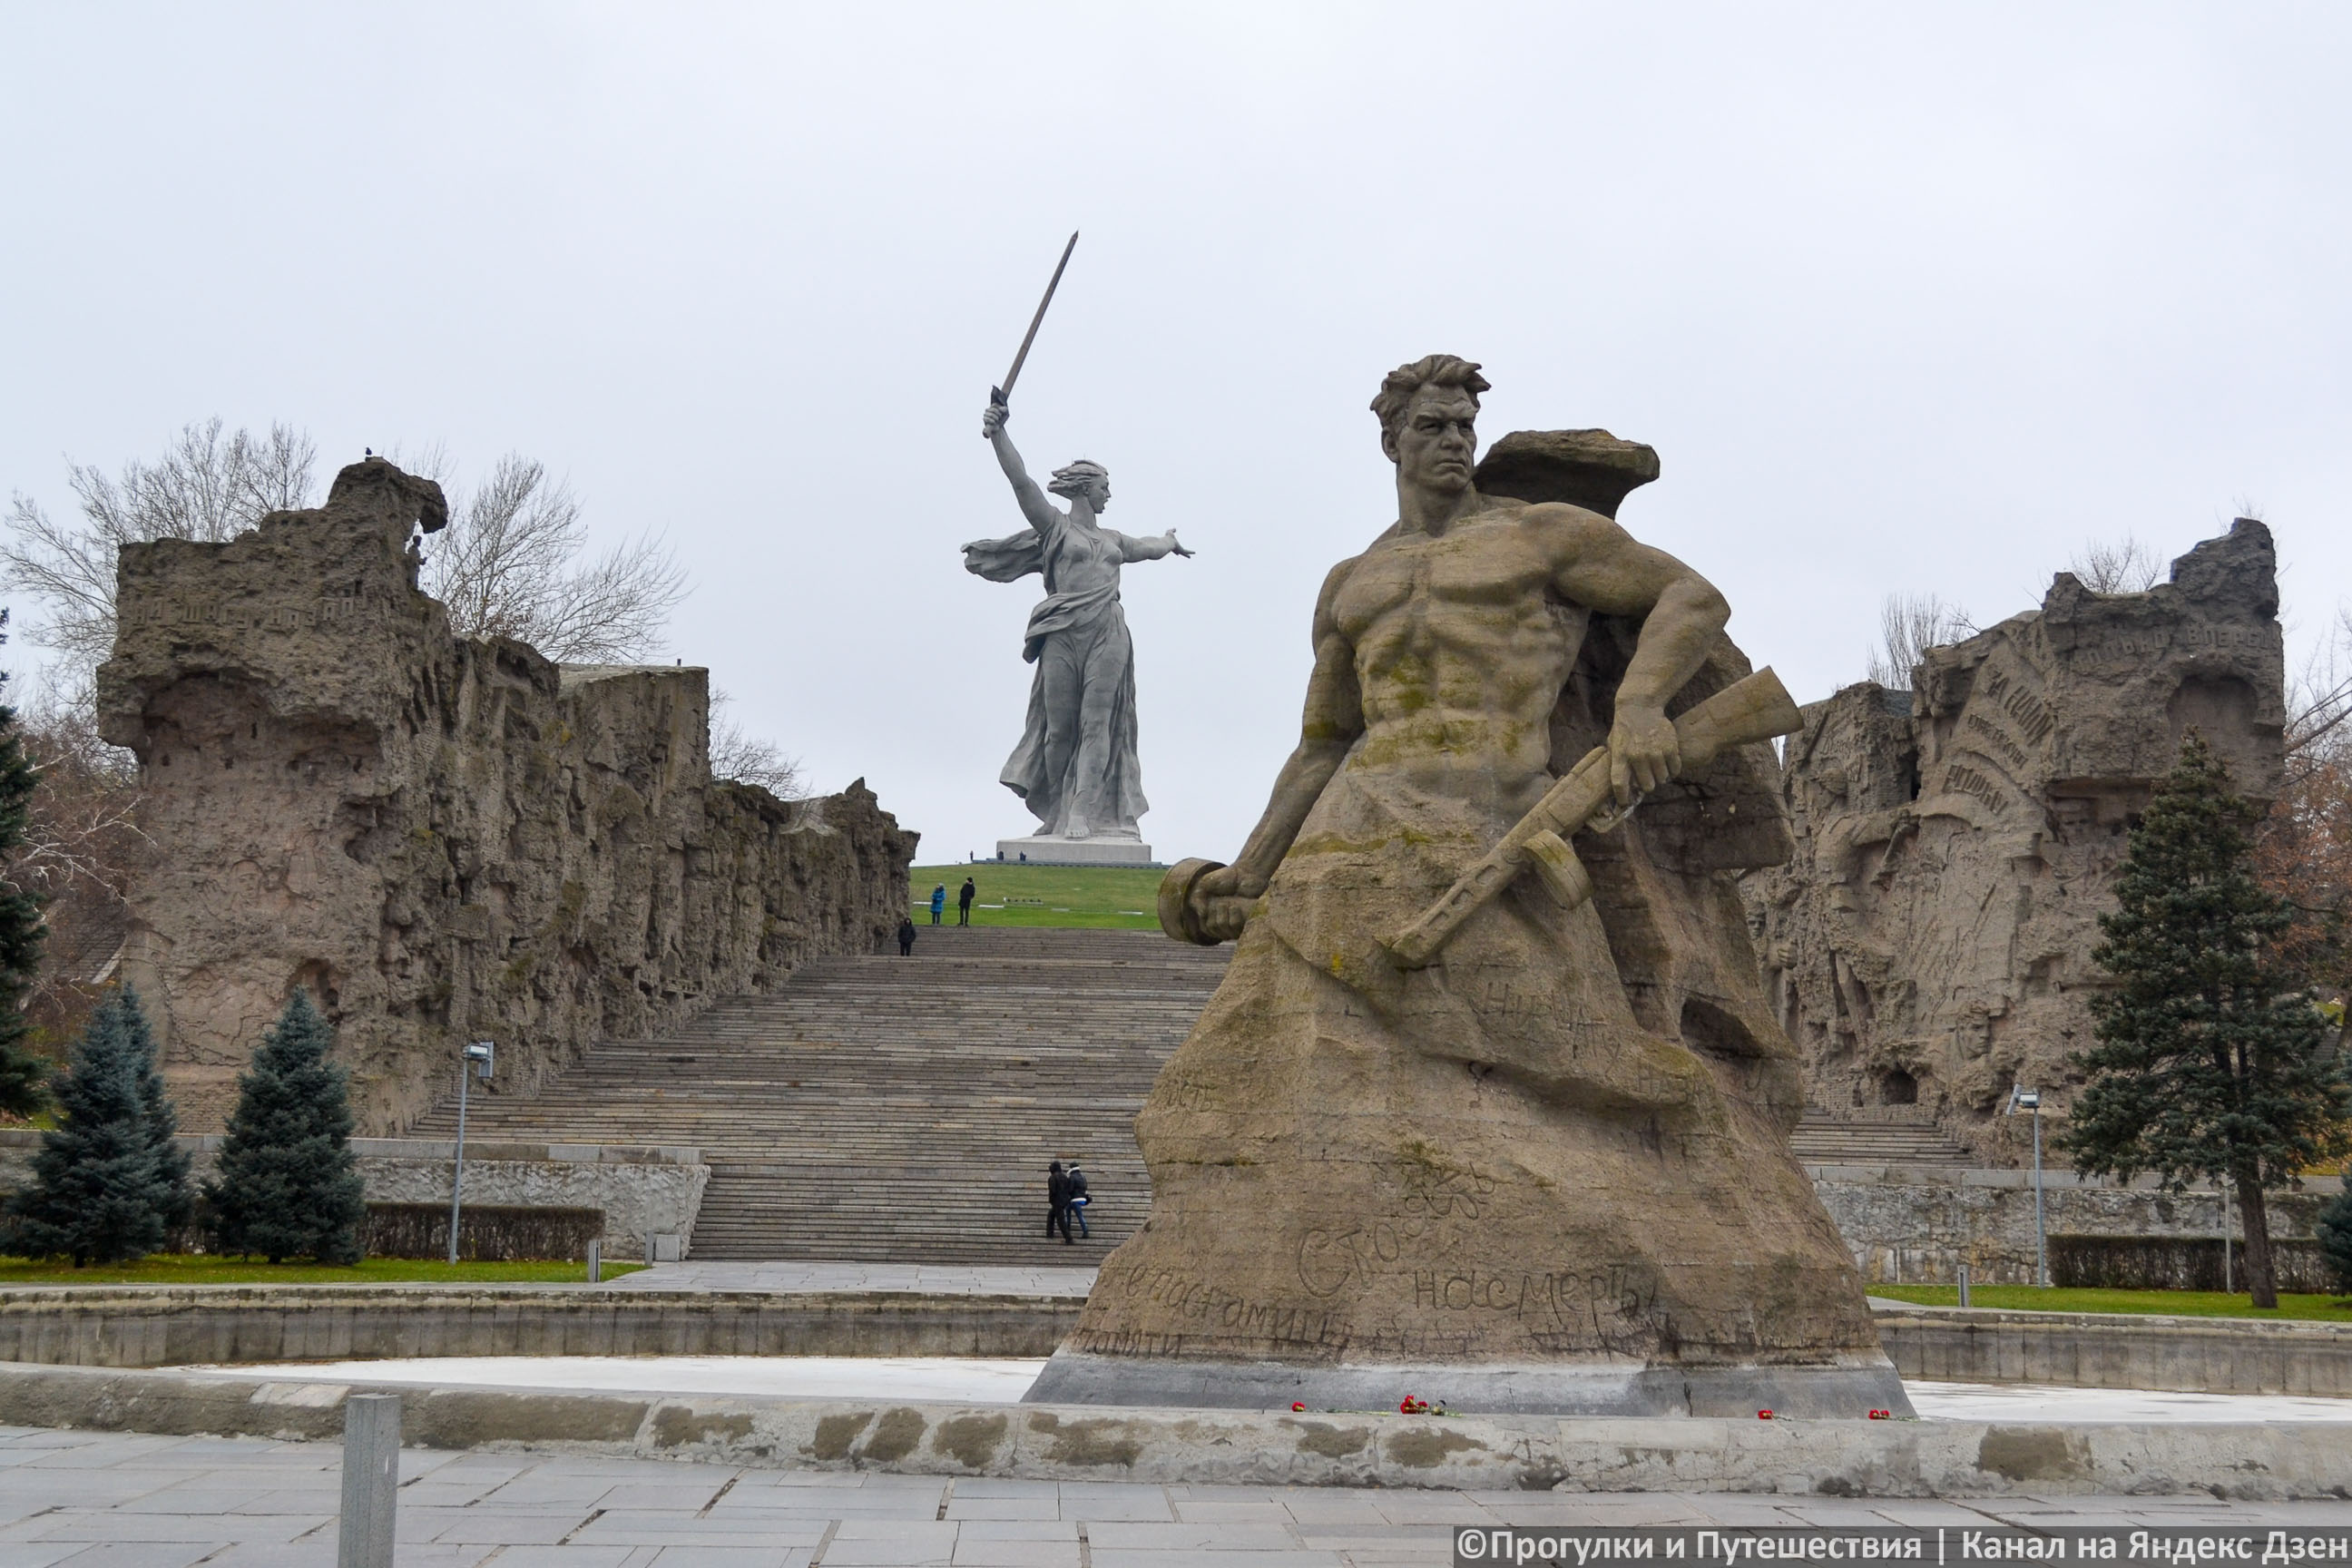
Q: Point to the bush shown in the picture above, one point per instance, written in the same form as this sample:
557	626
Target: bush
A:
2174	1263
487	1231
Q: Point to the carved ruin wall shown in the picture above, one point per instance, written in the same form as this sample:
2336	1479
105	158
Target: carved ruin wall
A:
1930	941
445	840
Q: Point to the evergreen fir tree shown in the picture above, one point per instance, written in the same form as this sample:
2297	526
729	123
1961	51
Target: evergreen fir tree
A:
156	1110
99	1192
22	1073
2210	1060
2334	1230
287	1185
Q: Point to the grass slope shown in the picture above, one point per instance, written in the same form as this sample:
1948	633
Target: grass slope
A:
1015	895
181	1269
2169	1303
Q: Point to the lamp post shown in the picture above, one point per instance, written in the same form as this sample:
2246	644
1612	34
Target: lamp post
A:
480	1056
2023	1099
2228	1288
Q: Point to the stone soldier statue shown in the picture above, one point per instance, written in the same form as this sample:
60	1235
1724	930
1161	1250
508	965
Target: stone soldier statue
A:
1076	766
1542	1165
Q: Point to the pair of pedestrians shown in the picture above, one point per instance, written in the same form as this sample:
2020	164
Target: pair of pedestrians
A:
1065	1200
965	896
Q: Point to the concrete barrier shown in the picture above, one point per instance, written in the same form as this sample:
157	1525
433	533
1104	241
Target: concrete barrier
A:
230	1325
227	1324
1835	1458
2117	1350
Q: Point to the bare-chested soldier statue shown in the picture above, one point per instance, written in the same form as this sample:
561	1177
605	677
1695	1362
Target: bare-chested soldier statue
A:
1540	1166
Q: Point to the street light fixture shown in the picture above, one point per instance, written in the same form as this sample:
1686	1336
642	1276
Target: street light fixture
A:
2029	1100
480	1056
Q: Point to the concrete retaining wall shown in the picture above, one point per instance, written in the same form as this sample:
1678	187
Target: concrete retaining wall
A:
1918	1225
1839	1458
2100	1349
228	1325
642	1191
216	1325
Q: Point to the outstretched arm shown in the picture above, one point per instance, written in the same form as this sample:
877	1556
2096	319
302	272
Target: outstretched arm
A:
1600	565
1334	718
1034	504
1131	549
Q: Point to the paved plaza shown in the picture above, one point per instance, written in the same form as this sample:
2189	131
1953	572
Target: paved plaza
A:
928	1279
94	1499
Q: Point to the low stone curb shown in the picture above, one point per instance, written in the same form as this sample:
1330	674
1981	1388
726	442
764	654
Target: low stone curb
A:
215	1325
2118	1349
1836	1459
136	1326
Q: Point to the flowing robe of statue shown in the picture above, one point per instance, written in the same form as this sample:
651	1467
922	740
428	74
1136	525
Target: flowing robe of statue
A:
1551	1170
1084	631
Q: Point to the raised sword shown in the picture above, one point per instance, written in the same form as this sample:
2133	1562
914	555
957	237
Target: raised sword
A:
1000	394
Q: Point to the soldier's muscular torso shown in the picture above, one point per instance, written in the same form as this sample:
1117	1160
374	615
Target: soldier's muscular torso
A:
1461	644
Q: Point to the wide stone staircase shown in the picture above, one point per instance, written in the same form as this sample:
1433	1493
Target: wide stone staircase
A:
1824	1139
889	1109
900	1110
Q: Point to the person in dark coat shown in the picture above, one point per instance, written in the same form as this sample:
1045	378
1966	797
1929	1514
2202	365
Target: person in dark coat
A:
905	935
1078	1199
963	902
1057	1202
938	901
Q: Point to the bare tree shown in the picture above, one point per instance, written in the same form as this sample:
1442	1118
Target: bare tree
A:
2122	566
1908	625
743	759
82	847
81	833
2319	699
202	488
2304	848
509	565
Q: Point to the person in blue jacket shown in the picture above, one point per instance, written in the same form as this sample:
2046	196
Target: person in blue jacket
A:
938	901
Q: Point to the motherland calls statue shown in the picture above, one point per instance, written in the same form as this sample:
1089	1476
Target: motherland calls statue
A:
1076	766
1476	1115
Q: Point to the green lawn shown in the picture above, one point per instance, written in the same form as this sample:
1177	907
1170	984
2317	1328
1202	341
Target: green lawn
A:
180	1268
2172	1303
1111	896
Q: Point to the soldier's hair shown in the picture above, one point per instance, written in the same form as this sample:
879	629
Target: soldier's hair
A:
1072	481
1431	370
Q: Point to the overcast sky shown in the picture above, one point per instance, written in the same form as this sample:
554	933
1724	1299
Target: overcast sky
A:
1908	300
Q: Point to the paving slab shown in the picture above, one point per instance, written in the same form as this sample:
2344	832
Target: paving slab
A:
538	1516
929	1279
1017	1553
731	1557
